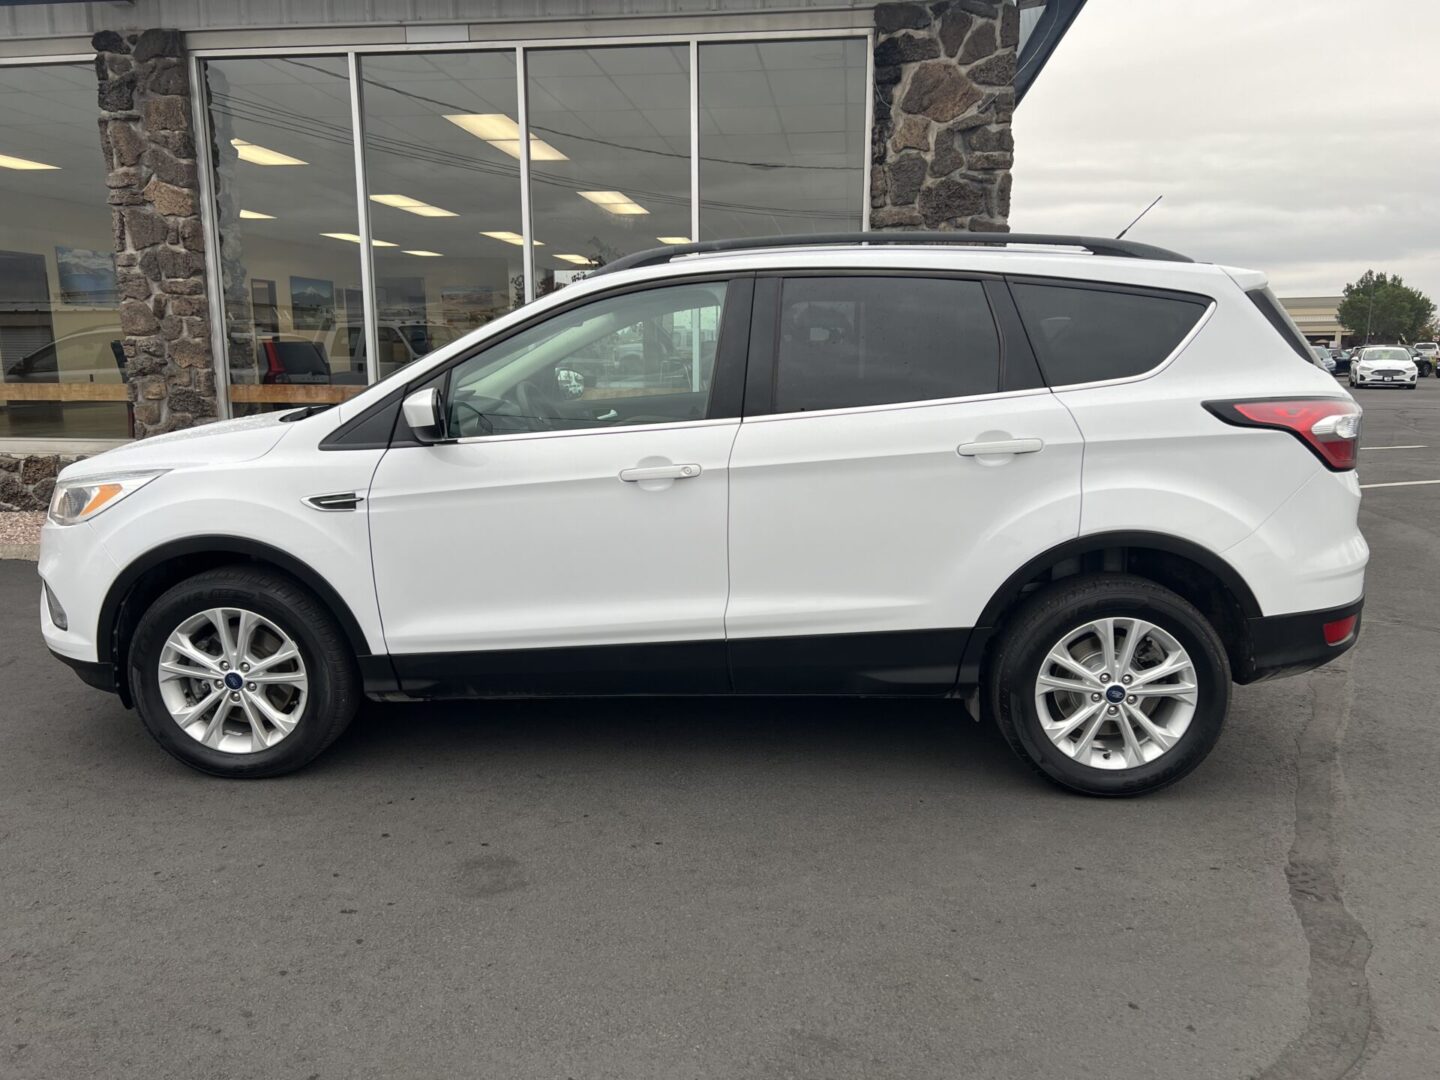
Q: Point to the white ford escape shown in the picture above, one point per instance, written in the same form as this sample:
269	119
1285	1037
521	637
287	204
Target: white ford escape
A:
1084	485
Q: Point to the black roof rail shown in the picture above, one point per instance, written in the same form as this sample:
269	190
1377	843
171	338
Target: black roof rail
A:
1127	249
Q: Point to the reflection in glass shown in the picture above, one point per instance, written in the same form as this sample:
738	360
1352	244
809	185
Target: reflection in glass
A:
619	120
638	358
61	366
441	163
782	137
289	234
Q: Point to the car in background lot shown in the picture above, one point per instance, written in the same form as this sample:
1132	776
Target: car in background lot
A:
1342	360
1323	359
1427	356
1383	365
1082	484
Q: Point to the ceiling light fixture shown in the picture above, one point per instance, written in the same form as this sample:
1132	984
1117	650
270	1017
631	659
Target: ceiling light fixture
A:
673	239
421	251
412	206
509	238
352	238
255	215
260	155
501	132
613	202
23	164
578	260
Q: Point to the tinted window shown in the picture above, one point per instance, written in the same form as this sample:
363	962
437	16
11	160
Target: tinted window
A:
1085	335
853	341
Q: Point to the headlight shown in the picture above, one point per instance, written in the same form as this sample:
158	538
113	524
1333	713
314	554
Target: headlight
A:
75	501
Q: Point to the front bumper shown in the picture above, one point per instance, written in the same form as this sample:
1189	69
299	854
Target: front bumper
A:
1280	645
100	675
1373	379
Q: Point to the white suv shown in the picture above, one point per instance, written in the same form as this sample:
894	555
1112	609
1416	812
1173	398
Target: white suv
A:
1083	485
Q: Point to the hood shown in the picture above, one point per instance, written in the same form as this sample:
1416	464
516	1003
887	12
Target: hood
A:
222	443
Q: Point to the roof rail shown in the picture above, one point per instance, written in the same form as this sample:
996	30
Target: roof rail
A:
1127	249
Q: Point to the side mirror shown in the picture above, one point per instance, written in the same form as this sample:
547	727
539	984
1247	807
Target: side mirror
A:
570	383
424	414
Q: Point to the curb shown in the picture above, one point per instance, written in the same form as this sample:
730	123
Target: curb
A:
29	552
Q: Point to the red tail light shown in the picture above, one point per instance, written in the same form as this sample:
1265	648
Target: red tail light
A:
1330	427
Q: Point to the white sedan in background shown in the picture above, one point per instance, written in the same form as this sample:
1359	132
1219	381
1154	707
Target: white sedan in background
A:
1383	365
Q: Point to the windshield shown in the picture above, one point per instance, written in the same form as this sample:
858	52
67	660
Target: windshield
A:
1385	354
1427	346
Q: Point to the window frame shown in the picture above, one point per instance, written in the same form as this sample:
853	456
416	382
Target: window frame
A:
726	388
1117	287
1017	371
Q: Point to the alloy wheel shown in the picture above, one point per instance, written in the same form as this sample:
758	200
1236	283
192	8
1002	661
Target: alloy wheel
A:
1116	693
233	680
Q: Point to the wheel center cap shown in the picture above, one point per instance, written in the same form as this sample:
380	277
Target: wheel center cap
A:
1115	694
233	680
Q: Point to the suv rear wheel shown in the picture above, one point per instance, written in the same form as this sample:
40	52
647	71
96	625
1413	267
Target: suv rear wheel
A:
1110	685
242	672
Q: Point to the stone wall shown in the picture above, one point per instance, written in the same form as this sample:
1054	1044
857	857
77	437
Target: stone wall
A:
148	141
27	480
944	96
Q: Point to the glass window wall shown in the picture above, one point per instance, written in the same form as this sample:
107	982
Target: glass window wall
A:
610	155
782	149
782	137
442	166
61	367
284	163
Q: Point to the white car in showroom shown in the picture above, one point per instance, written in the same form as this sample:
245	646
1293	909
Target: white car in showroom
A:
1383	365
1080	485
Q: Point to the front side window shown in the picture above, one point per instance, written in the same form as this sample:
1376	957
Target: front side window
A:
853	341
1083	335
638	358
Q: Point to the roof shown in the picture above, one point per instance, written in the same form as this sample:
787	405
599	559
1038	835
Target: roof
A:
1043	23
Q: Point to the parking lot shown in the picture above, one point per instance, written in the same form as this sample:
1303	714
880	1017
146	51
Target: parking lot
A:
762	888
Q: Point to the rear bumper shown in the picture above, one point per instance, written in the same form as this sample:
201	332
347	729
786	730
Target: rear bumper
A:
1279	645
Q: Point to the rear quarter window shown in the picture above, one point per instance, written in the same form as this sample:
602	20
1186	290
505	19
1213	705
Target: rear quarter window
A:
1084	334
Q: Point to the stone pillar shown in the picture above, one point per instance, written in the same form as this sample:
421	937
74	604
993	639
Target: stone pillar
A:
941	148
147	136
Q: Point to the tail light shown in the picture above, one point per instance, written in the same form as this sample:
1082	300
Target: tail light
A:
1330	427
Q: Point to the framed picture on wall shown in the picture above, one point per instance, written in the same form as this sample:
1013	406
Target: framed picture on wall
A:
312	303
86	277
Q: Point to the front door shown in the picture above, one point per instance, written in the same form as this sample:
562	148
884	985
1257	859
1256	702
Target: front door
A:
569	534
889	481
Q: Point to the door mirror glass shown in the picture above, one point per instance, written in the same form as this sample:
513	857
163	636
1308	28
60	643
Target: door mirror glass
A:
569	383
424	414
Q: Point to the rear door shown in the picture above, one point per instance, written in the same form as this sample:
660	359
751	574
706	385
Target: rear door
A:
898	460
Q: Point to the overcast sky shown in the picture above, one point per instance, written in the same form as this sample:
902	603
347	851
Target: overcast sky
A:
1298	137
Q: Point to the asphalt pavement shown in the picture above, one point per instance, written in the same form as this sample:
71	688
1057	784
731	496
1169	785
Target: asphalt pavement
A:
753	889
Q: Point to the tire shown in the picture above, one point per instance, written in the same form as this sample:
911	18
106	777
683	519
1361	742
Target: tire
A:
1047	618
319	712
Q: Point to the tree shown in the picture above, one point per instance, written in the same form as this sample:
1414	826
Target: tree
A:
1383	308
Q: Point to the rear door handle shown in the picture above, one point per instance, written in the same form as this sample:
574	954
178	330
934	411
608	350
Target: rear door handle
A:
1001	446
660	472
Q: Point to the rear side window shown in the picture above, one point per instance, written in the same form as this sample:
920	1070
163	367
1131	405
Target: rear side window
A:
1083	335
1279	318
851	341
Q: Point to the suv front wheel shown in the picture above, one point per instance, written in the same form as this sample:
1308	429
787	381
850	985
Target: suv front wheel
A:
242	672
1110	685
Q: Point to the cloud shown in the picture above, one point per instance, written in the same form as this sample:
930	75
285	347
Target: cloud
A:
1298	138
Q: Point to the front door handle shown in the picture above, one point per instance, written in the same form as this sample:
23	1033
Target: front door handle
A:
1000	446
660	472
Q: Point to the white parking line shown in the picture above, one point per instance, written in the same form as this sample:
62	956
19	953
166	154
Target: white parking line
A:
1417	446
1400	483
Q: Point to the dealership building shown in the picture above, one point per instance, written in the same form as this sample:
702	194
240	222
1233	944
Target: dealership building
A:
213	208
